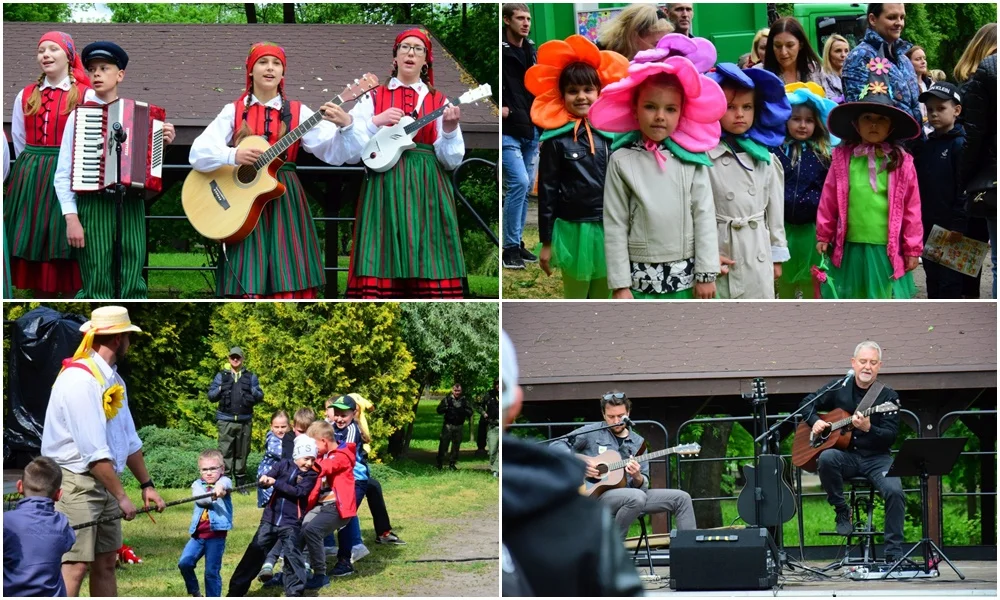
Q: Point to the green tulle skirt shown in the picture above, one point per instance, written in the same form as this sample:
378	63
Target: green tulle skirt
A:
578	249
866	273
796	277
687	294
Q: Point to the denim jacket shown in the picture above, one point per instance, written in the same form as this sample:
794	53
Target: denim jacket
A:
902	77
220	512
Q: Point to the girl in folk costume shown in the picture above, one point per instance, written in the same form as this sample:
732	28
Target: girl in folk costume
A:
869	211
34	224
406	238
573	161
748	182
805	158
281	257
7	291
659	221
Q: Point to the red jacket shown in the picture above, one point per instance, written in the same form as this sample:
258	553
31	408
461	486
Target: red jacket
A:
336	471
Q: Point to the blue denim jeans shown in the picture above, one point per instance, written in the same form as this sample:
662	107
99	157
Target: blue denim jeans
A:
520	155
991	223
212	549
350	535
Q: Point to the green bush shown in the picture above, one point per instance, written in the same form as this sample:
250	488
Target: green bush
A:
172	457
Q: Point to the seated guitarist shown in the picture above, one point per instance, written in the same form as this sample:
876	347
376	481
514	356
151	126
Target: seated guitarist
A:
868	454
627	503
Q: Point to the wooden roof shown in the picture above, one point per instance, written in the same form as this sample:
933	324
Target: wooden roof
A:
192	70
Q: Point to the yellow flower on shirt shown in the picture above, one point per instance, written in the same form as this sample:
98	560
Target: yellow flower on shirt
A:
113	397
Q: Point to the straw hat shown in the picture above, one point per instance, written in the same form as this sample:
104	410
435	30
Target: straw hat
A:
108	320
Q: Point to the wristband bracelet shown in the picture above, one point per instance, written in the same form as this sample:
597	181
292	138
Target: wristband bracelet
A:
148	484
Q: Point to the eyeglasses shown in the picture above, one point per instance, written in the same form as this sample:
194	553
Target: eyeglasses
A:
614	396
418	50
210	469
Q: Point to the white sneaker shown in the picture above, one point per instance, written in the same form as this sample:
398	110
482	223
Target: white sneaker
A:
330	550
358	552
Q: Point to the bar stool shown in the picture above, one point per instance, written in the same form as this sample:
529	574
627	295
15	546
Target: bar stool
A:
643	540
861	501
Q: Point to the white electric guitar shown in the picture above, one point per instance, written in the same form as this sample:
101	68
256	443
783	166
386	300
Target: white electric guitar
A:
386	146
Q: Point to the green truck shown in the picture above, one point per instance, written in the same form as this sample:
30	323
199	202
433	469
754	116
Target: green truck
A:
730	26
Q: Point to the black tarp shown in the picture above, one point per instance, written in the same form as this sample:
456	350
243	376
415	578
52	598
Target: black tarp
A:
40	340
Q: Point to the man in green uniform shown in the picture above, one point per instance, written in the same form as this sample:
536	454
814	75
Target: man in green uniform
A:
236	389
456	409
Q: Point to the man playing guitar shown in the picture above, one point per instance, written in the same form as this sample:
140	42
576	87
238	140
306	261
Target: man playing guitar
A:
628	502
868	453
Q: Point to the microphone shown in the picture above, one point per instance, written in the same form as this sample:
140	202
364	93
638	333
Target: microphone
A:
119	134
628	422
850	373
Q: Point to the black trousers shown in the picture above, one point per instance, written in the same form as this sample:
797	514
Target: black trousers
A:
944	283
481	434
376	504
837	465
253	559
319	523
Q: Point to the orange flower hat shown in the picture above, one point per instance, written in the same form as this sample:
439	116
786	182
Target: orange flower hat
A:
548	111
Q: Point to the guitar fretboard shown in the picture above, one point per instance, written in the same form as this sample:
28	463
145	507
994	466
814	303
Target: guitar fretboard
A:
424	120
846	421
641	458
291	137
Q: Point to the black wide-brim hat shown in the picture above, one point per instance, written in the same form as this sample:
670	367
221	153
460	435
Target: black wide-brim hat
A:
842	118
875	97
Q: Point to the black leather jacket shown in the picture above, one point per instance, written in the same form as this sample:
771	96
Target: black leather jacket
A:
571	180
979	105
516	98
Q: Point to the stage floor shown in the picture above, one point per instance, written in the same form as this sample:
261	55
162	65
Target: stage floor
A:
980	580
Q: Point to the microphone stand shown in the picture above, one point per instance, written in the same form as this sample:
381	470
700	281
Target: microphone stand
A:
119	136
573	434
772	433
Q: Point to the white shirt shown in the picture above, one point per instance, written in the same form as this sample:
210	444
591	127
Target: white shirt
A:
6	157
17	115
448	147
64	166
327	142
76	432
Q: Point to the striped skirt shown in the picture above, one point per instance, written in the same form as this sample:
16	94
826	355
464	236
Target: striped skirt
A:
40	257
96	258
281	257
406	238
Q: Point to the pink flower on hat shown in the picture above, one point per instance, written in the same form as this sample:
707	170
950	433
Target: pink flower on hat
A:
879	65
698	128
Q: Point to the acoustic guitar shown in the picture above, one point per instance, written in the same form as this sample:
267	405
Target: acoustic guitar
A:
766	499
382	152
806	448
611	467
226	204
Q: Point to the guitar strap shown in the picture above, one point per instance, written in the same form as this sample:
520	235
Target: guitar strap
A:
869	399
286	118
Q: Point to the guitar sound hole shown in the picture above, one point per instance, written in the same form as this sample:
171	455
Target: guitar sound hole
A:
602	469
246	174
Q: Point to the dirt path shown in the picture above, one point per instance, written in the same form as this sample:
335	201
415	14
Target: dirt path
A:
471	538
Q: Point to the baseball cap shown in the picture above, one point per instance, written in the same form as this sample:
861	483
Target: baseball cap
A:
942	90
236	351
345	403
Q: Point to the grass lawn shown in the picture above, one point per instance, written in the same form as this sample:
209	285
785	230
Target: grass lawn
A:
441	515
201	284
531	282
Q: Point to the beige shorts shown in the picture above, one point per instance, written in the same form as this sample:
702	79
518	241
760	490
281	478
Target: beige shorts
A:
85	499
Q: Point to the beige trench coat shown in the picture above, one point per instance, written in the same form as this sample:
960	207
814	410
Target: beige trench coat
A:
750	215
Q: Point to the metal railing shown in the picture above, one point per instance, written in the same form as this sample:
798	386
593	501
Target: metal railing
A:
940	486
454	179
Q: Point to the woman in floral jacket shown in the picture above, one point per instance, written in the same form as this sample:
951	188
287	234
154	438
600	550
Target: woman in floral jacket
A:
885	25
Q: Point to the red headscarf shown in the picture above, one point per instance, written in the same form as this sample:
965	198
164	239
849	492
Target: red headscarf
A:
259	50
426	39
75	64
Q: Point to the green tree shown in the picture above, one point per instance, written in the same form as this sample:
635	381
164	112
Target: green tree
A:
305	353
46	13
449	341
127	12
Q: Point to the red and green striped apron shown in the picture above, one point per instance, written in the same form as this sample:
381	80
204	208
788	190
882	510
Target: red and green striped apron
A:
40	256
406	237
280	259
